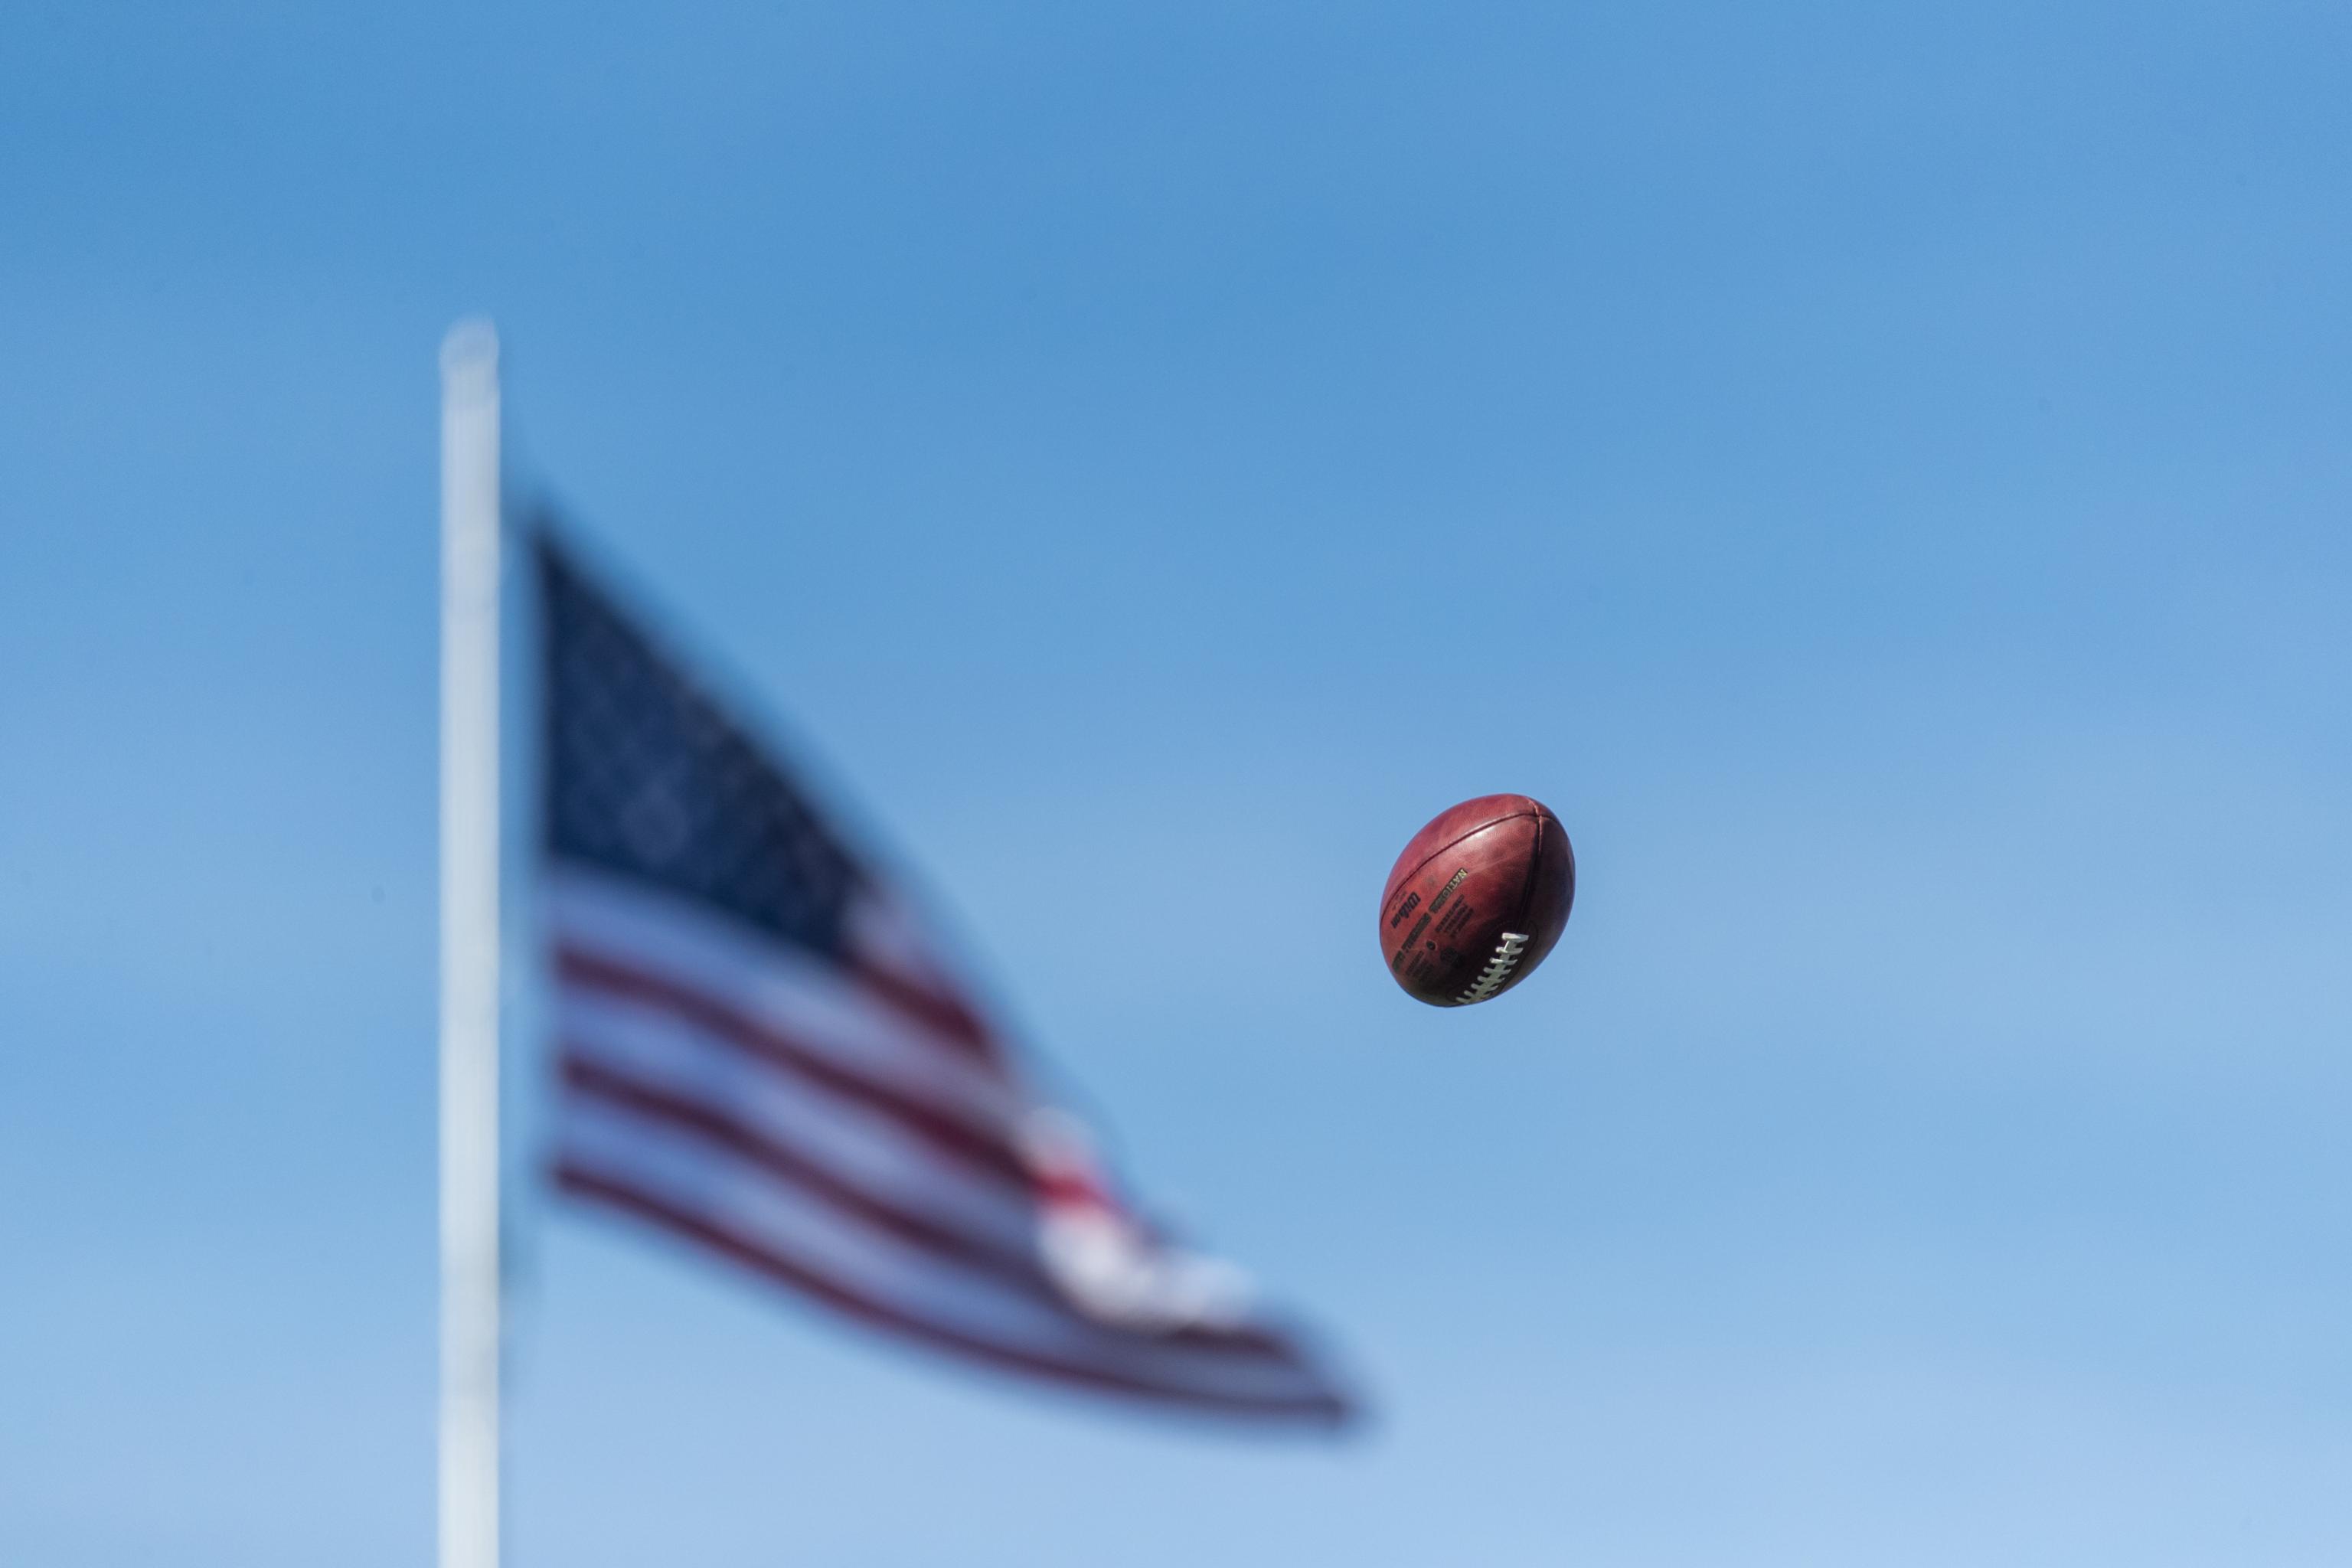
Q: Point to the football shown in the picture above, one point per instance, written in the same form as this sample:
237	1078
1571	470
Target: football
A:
1476	899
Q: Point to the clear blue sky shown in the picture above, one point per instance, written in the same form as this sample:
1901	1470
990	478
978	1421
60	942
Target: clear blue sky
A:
1880	473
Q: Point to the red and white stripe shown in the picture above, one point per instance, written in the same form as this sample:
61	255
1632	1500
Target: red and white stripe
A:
856	1132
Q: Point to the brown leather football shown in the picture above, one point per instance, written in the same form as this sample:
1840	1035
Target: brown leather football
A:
1476	899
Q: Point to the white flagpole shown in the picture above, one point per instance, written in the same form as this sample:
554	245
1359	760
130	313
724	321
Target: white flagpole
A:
469	947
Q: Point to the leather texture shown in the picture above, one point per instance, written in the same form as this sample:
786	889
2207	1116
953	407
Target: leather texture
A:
1489	868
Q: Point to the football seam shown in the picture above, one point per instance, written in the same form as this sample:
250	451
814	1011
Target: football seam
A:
1422	864
1535	864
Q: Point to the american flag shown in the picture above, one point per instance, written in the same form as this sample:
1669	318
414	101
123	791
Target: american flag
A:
763	1053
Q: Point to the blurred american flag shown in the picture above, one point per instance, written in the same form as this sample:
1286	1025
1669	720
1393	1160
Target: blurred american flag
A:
761	1051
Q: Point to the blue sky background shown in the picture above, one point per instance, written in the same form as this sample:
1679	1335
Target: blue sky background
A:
1880	473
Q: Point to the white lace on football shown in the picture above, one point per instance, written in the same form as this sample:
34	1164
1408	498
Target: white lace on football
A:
1499	969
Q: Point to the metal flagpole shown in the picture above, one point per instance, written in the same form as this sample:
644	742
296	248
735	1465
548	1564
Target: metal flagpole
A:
469	947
